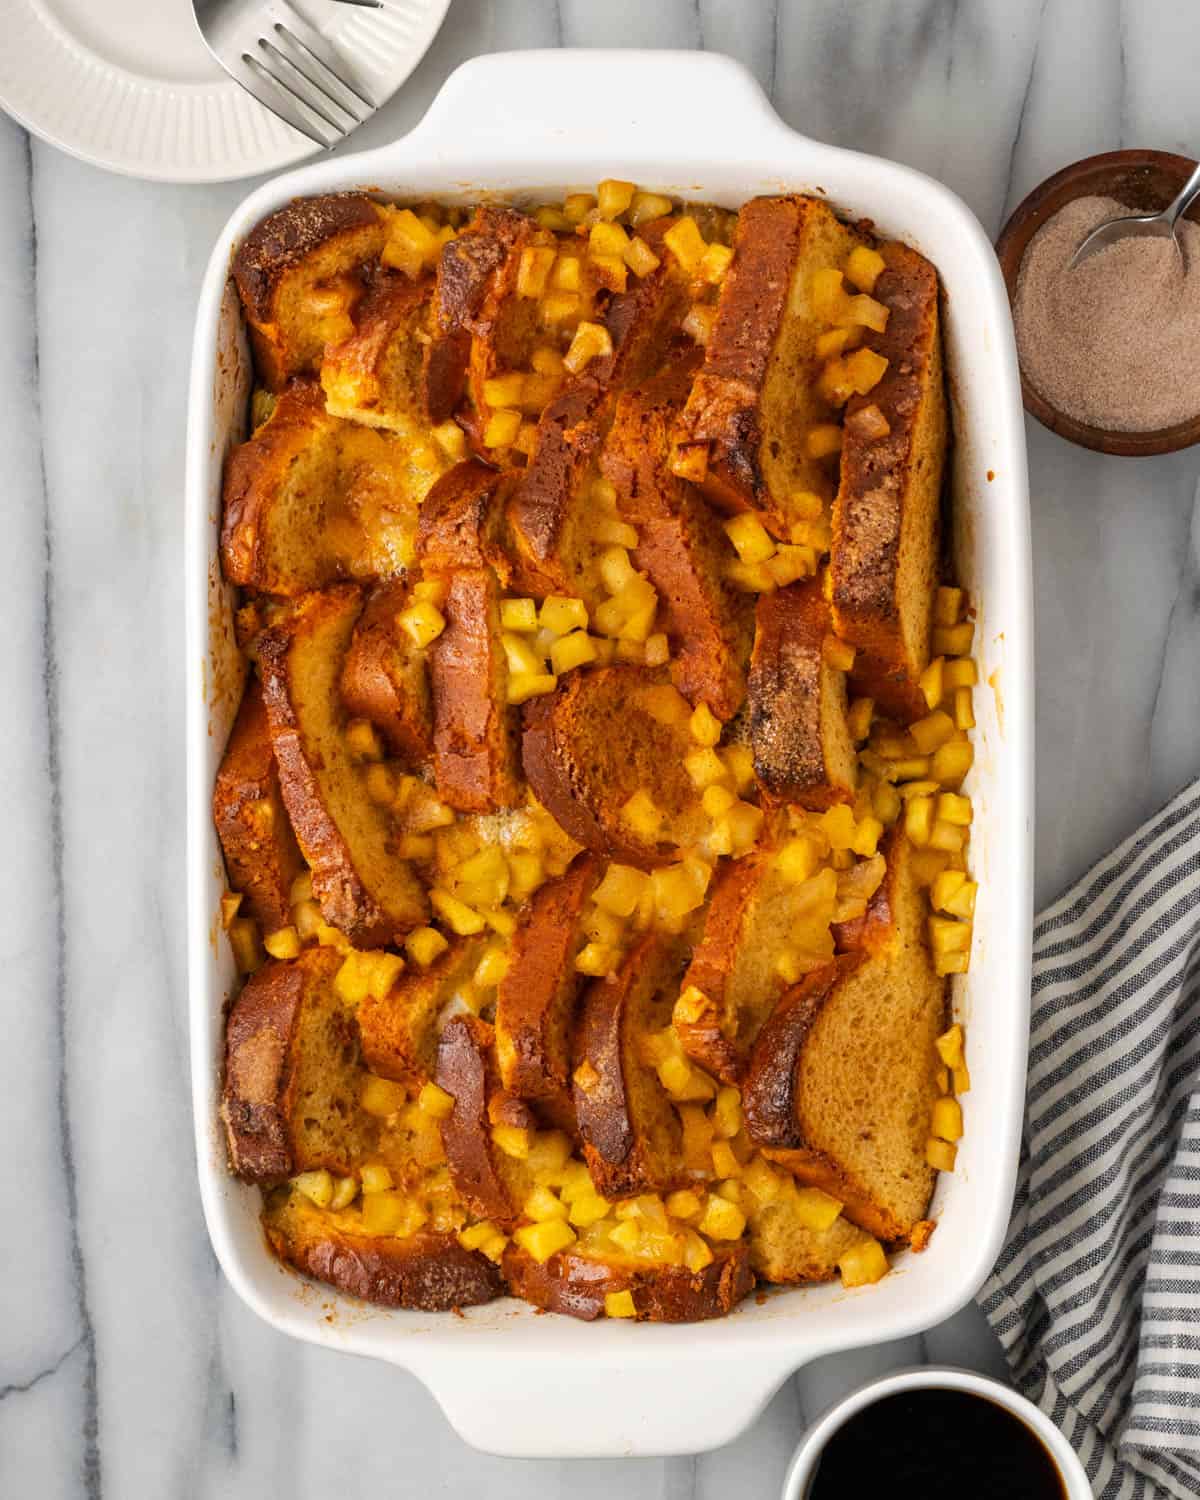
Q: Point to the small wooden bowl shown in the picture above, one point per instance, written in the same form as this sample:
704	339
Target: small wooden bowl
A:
1146	181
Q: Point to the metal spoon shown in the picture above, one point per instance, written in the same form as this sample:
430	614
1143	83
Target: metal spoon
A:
1142	226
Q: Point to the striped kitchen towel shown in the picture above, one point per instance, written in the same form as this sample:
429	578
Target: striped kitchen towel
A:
1096	1296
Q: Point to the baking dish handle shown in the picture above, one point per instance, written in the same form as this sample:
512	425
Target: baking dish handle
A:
615	1404
698	101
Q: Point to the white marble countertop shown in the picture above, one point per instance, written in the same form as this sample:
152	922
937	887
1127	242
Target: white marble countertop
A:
127	1366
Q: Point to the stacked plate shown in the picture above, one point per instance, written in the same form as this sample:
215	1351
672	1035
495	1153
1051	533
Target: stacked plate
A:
132	87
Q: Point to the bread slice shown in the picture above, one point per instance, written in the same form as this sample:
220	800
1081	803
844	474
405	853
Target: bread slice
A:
480	326
428	1271
577	1284
278	489
841	1084
475	746
584	773
803	751
784	1249
348	840
293	1074
535	1002
299	273
385	678
681	546
462	521
376	376
311	500
747	927
886	522
551	513
261	853
492	1184
751	406
400	1029
631	1131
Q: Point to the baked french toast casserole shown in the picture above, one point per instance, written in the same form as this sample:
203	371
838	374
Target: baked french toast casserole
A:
594	821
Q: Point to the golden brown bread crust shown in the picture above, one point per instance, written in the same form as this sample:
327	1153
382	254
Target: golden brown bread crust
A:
536	998
681	547
311	500
802	747
385	677
307	242
295	435
577	1285
475	279
768	1092
262	1066
462	520
631	1132
430	1272
465	1071
261	854
785	1250
376	376
583	774
474	730
362	887
548	511
399	1029
753	401
886	520
546	504
854	1041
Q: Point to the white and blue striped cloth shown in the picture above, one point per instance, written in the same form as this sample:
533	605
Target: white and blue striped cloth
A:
1096	1296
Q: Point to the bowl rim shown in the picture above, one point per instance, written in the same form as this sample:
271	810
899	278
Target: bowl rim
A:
802	1468
1034	210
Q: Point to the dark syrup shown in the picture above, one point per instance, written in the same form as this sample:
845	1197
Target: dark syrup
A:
933	1444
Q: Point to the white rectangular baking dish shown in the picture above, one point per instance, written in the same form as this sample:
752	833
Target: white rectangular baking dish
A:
536	125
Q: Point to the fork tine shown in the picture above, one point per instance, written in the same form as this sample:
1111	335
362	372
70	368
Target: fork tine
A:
308	90
324	56
282	101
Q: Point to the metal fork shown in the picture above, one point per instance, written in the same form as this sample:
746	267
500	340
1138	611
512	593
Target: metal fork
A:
275	54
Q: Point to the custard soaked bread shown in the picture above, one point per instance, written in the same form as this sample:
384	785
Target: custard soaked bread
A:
292	1074
841	1085
311	500
601	756
734	977
427	1270
607	933
300	277
631	1131
480	324
256	838
376	376
535	1003
886	522
744	433
364	889
553	510
802	747
681	547
385	678
581	1285
400	1027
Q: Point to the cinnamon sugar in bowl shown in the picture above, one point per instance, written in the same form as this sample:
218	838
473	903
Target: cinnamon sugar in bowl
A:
1078	376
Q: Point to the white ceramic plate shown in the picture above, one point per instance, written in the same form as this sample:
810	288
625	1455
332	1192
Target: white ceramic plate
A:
129	84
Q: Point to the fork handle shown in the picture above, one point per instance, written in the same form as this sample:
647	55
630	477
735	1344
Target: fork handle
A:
1180	204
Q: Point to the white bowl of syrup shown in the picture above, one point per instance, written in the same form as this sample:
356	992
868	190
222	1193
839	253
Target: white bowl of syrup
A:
932	1432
